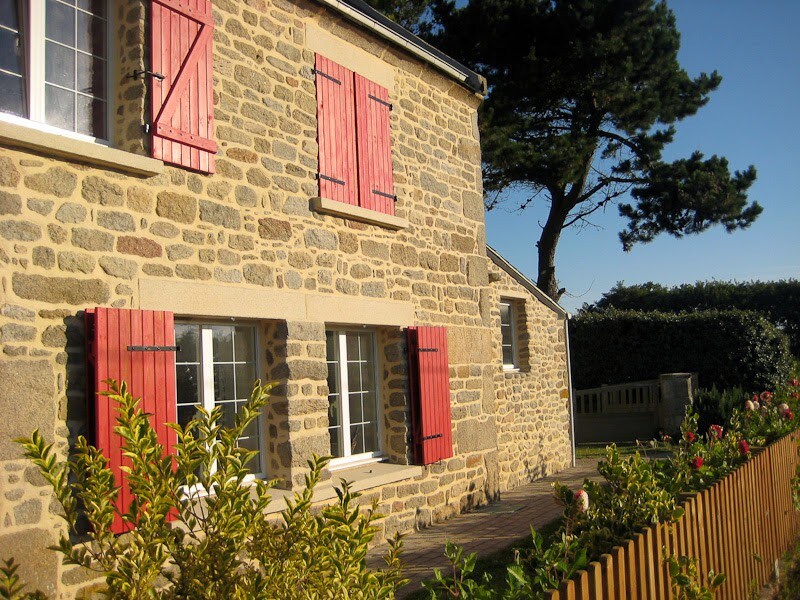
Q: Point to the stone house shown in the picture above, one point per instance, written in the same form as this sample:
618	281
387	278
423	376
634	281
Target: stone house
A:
193	196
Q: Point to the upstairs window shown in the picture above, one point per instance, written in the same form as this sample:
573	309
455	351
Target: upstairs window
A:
508	335
54	63
355	156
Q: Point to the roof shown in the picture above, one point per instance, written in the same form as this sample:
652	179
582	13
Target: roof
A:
365	16
525	282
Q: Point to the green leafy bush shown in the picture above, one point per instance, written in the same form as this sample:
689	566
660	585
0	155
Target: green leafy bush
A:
221	544
716	406
685	579
726	348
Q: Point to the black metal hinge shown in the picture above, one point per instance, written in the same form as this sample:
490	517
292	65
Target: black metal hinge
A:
432	437
142	73
333	179
154	348
385	195
428	349
384	102
326	76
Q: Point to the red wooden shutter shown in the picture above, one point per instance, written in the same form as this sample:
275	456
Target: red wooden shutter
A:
336	132
375	180
430	394
182	103
135	346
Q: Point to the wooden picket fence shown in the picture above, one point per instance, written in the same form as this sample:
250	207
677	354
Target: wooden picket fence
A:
739	526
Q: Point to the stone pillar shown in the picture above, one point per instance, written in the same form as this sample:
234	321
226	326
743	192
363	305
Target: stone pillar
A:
677	392
297	416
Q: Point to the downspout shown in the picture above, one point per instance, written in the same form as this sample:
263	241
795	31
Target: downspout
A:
569	388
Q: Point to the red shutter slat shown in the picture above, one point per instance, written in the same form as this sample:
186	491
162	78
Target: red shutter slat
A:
150	375
375	179
182	104
336	132
430	394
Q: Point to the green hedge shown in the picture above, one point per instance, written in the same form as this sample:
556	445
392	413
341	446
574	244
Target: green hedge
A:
726	348
779	301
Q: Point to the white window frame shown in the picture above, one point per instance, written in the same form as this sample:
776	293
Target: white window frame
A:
512	314
206	389
342	462
33	26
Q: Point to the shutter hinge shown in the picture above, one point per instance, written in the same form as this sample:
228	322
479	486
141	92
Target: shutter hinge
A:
142	73
333	179
384	102
432	437
326	76
154	348
385	195
428	349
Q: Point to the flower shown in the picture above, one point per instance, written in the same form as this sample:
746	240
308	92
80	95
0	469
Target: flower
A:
788	415
690	437
766	397
783	409
696	462
666	438
715	431
744	448
750	405
795	395
794	382
582	500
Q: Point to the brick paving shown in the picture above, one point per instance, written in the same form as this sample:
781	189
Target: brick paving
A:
487	529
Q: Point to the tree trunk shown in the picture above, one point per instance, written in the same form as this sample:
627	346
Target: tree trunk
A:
551	232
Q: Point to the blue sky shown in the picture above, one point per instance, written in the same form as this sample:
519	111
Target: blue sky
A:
752	118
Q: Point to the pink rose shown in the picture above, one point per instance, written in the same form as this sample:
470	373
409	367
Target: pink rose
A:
690	437
715	431
744	448
696	462
582	500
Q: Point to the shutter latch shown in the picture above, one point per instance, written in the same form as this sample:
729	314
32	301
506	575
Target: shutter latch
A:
154	348
142	73
428	349
432	437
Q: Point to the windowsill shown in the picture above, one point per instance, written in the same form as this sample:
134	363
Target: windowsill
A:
362	477
356	213
38	137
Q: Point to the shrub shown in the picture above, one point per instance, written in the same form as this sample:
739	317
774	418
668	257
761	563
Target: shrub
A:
221	544
716	406
726	348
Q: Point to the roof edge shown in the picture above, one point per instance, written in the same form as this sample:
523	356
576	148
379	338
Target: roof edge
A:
501	262
364	15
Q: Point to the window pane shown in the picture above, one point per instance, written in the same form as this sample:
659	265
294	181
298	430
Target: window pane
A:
371	438
60	23
228	413
91	75
507	336
353	346
188	338
223	343
356	439
186	414
188	379
59	108
9	16
356	414
333	379
91	116
252	430
505	314
223	383
244	342
12	98
10	51
354	376
330	345
59	65
336	449
508	355
245	377
97	7
91	34
368	404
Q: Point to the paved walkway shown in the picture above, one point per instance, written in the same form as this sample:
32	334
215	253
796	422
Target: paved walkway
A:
488	529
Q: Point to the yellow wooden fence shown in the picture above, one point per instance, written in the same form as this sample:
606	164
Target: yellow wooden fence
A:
739	526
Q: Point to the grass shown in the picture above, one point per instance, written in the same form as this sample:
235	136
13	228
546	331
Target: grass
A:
495	564
599	450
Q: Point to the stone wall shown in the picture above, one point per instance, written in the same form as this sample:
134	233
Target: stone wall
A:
74	236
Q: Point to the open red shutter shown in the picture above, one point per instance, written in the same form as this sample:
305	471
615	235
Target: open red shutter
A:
138	347
375	180
182	102
430	394
336	132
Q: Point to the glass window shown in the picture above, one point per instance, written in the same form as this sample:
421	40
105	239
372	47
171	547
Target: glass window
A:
508	335
352	394
216	366
54	63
